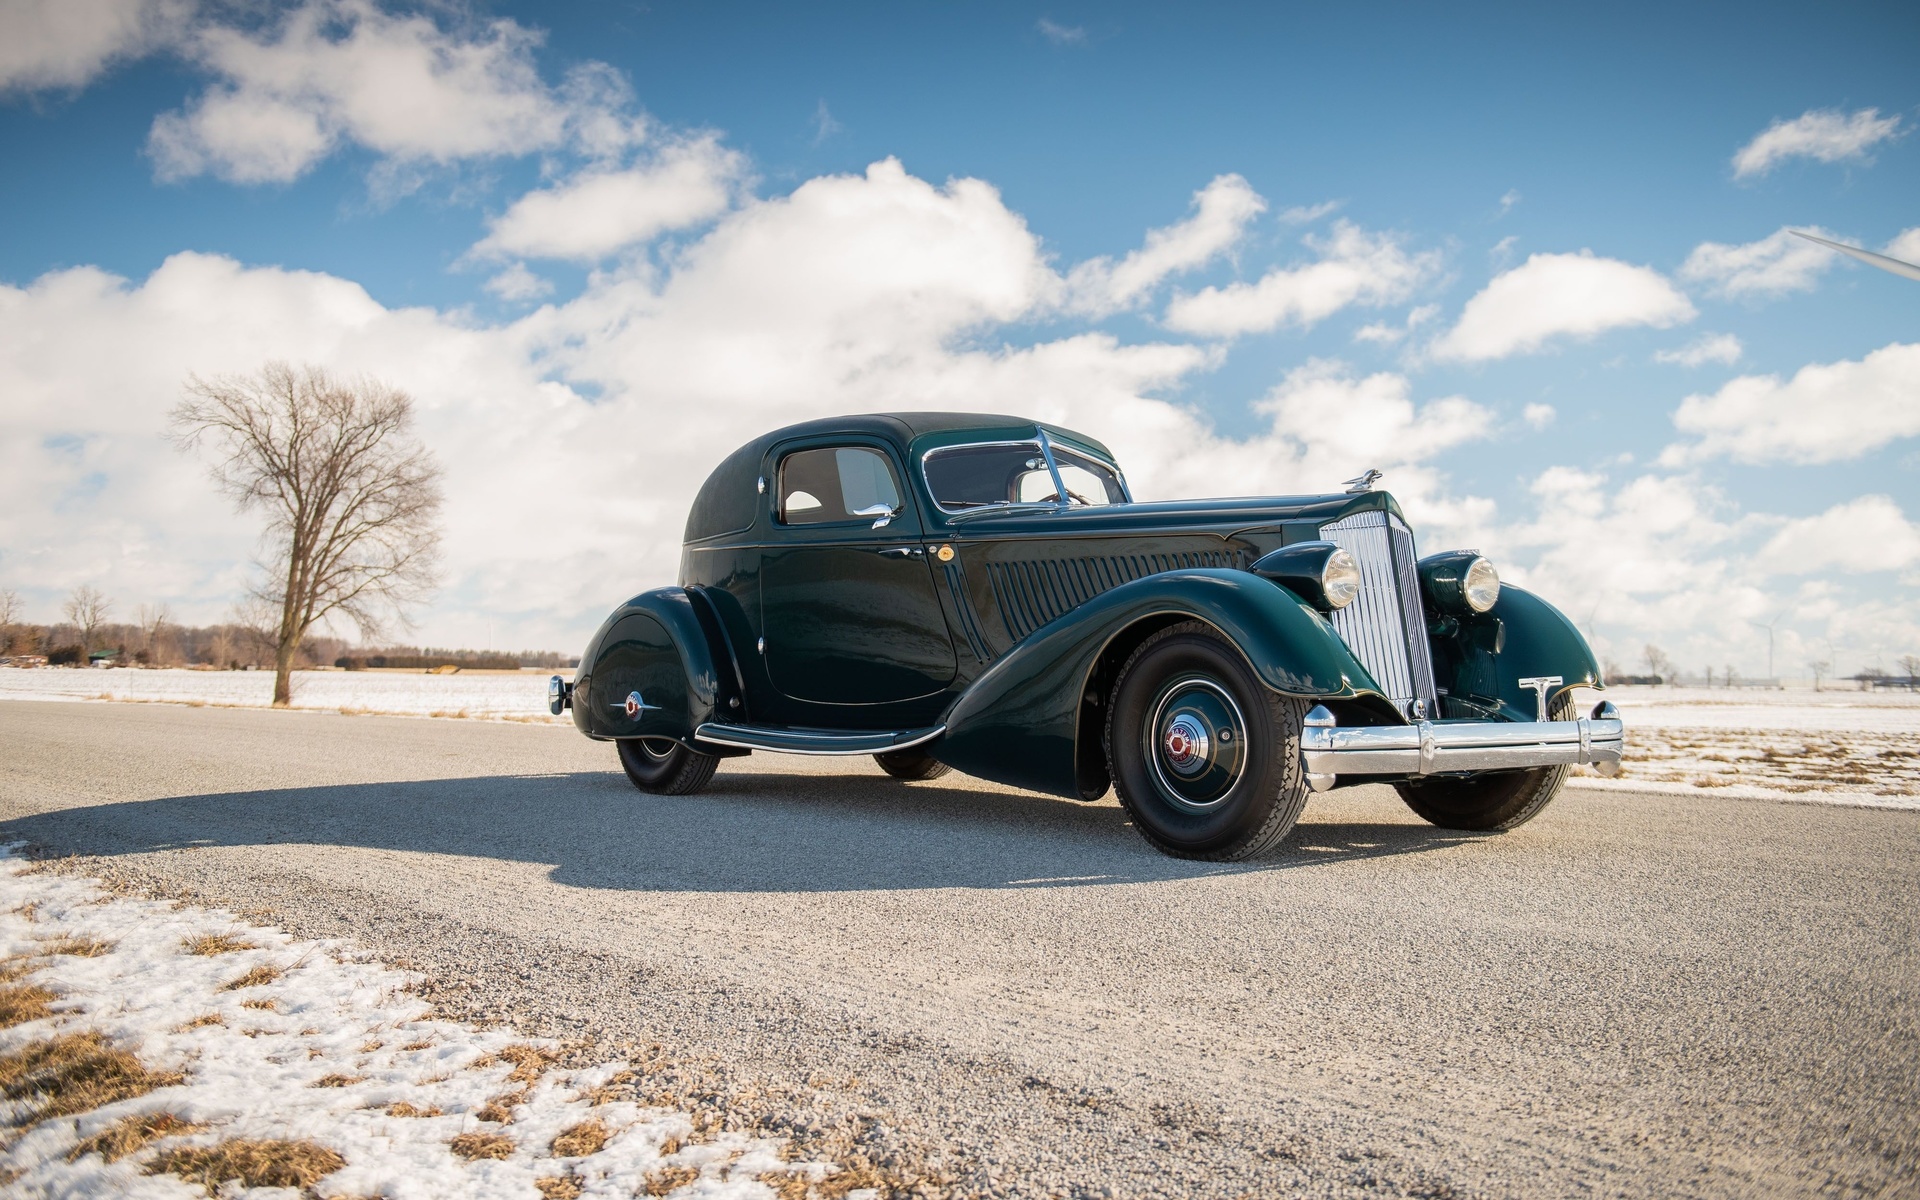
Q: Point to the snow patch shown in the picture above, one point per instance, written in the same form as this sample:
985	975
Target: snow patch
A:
343	1041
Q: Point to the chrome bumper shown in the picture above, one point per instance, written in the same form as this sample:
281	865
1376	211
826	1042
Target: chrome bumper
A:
1427	747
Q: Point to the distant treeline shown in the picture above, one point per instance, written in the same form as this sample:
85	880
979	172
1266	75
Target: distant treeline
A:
235	646
473	660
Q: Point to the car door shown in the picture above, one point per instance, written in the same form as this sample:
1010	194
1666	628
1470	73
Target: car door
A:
849	615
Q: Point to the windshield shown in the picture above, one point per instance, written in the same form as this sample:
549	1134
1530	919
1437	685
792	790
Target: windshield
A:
964	477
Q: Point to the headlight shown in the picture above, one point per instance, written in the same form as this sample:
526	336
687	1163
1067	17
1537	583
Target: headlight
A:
1482	585
1460	581
1340	580
1320	573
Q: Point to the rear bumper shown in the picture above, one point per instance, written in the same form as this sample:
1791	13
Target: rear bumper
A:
1428	747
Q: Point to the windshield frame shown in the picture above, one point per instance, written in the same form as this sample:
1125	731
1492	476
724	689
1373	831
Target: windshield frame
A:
1041	442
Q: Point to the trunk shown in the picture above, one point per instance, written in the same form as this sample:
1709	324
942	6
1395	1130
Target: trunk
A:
283	672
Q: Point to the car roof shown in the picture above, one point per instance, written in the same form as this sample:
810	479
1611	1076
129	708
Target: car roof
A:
945	428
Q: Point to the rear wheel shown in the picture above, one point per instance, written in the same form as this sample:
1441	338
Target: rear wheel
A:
911	765
1487	801
1205	758
665	767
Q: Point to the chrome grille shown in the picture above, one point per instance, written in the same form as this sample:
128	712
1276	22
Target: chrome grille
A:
1383	626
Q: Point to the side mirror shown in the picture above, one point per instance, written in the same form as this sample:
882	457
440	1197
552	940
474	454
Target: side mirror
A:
883	513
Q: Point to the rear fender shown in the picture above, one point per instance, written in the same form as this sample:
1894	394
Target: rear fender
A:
665	647
1035	718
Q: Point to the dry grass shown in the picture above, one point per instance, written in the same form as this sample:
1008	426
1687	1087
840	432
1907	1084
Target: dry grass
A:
662	1180
577	1141
20	1003
202	1022
216	943
262	1005
482	1145
558	1187
853	1174
418	1046
501	1107
130	1135
30	910
370	1047
255	1162
400	1108
79	947
336	1081
788	1187
528	1062
259	976
73	1073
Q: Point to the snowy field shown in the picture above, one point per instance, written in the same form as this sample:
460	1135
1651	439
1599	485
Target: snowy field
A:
166	1051
1847	747
520	696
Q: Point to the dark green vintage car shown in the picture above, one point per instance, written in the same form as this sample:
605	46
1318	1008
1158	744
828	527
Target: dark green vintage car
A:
952	590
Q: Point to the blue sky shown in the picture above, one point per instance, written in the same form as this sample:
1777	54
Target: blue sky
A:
1447	150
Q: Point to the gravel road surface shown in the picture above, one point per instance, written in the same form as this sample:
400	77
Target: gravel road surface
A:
1634	995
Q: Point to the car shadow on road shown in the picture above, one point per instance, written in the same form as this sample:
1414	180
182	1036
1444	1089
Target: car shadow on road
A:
758	832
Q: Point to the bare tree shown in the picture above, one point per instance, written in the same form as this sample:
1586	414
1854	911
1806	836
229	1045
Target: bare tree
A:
351	497
1821	668
1910	663
10	612
1658	664
87	609
154	619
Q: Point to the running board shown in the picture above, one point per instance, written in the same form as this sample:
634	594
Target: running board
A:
813	741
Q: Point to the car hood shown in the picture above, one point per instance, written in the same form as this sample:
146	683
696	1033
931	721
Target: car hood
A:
1224	516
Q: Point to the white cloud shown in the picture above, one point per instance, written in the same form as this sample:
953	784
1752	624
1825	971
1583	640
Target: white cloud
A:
1824	134
1867	534
1827	412
1509	200
1061	35
824	126
599	211
1385	334
1307	214
333	72
1773	266
1560	295
1221	213
1538	416
516	283
67	43
1721	348
1905	246
1355	267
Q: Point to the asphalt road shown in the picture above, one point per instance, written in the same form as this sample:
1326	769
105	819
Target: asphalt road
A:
1633	995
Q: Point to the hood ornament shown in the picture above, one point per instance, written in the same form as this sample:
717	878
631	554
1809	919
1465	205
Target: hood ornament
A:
1363	483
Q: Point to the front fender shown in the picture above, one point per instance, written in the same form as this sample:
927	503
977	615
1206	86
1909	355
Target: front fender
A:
1019	722
1483	660
658	644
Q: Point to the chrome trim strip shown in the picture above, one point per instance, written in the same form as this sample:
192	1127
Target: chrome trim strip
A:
747	737
1426	748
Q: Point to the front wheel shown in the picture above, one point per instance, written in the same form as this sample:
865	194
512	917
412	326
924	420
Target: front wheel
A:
664	767
1487	801
911	765
1205	758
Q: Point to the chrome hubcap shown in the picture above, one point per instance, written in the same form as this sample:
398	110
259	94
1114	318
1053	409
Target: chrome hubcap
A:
657	749
1196	742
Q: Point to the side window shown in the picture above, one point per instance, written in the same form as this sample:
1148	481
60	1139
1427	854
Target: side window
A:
836	483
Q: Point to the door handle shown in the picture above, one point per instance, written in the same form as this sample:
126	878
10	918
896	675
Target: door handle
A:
902	552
